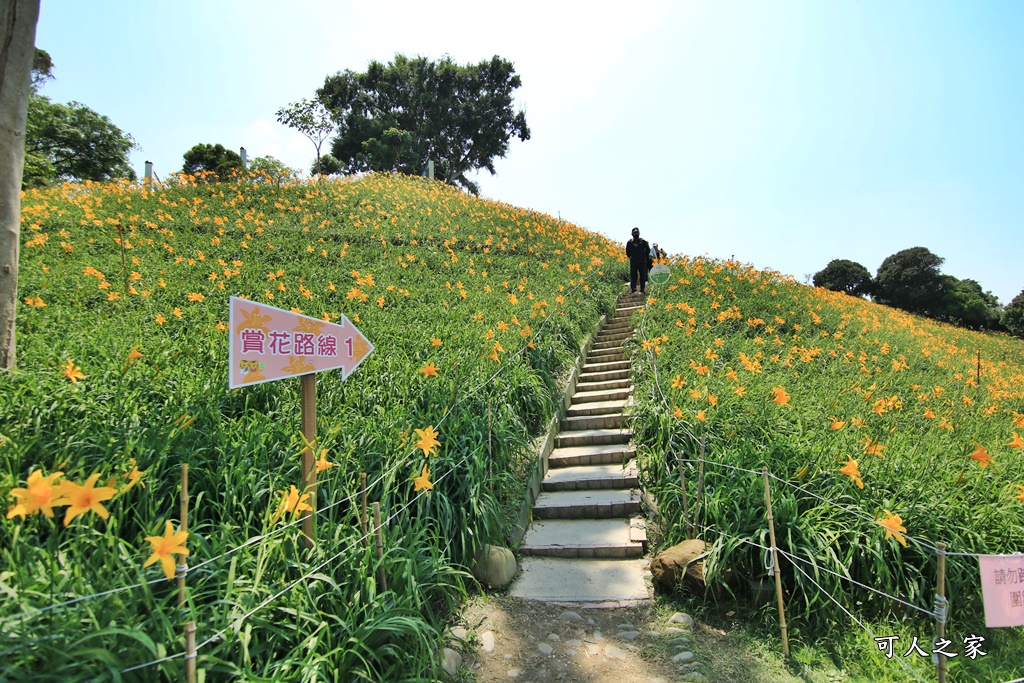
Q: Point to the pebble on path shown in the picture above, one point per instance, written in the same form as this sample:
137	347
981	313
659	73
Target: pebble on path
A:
570	616
545	648
487	641
683	657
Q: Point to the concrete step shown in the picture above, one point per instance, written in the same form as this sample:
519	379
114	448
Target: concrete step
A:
602	345
604	367
596	408
609	395
604	376
617	324
611	334
591	477
605	538
602	356
556	579
592	437
601	454
580	422
630	308
597	504
605	385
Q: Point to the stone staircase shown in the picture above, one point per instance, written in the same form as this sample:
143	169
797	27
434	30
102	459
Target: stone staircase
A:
587	540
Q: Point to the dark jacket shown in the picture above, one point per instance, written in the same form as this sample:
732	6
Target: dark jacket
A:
638	251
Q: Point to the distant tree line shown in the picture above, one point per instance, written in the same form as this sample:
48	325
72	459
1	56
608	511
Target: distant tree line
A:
911	280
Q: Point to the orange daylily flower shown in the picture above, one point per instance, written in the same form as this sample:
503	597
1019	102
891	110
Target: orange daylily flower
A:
72	372
981	455
850	470
780	396
39	495
322	463
836	424
429	370
872	447
1017	442
423	482
428	440
82	498
165	547
893	525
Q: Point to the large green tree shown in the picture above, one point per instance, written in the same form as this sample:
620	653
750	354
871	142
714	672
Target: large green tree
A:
911	280
73	142
841	275
966	304
1013	315
69	141
402	114
212	158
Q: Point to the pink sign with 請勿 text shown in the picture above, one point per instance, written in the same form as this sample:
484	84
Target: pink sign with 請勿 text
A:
1002	587
270	343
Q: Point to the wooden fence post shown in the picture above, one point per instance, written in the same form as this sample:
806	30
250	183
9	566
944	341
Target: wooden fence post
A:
190	652
682	487
382	583
308	404
940	609
182	568
362	510
700	480
775	563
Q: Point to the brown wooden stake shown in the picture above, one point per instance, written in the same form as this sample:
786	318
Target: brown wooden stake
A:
490	455
775	564
308	403
940	617
190	652
682	487
382	584
183	527
362	509
699	504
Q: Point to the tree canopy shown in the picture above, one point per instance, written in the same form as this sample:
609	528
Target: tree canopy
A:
911	280
72	142
402	114
69	141
1013	315
215	159
841	275
965	303
312	119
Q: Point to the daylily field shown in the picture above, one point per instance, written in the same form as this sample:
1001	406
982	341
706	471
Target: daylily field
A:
883	432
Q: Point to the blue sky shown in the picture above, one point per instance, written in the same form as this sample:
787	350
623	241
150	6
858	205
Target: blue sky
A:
783	133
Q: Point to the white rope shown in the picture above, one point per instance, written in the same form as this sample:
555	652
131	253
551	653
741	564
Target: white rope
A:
864	586
859	623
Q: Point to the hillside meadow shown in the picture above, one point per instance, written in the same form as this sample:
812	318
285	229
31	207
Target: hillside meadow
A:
879	429
475	308
884	434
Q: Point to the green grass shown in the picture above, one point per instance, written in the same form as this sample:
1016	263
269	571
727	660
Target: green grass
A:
408	261
760	369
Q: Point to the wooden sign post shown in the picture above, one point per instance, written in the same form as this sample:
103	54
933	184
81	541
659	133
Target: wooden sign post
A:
270	343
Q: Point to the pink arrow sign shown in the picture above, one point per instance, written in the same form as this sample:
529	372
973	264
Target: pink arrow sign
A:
270	343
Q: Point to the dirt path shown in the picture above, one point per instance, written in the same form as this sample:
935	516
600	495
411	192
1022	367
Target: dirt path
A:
508	639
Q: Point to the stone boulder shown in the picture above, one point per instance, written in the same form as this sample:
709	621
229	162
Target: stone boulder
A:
677	567
495	566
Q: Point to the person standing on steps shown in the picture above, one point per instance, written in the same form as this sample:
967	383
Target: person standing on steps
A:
639	254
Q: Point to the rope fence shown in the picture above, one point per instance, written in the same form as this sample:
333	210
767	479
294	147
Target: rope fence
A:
190	653
940	612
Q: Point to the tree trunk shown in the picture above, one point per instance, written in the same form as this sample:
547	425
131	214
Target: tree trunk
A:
17	47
